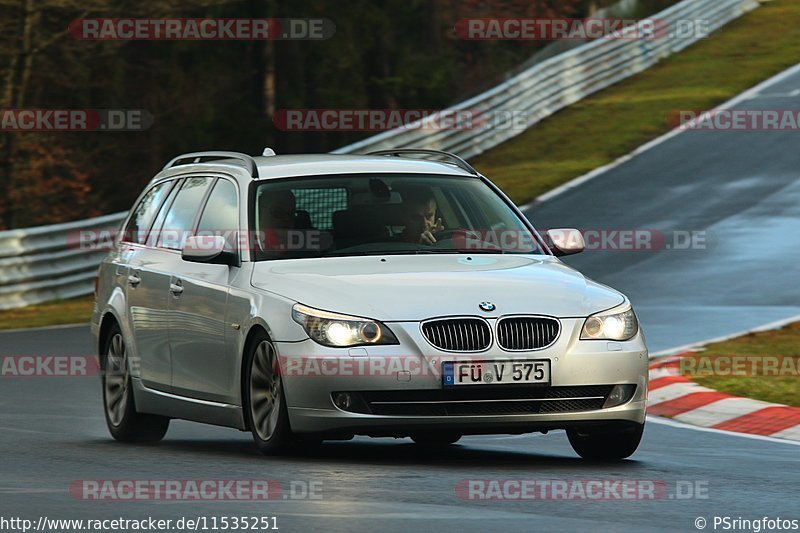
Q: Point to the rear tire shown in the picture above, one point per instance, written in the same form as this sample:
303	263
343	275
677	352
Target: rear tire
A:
123	422
437	438
264	400
606	443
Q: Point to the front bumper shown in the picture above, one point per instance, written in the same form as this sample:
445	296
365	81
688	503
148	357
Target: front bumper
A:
312	373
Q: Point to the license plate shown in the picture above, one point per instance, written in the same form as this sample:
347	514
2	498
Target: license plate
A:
457	373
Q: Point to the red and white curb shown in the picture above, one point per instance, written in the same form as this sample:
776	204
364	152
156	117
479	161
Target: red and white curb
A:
674	396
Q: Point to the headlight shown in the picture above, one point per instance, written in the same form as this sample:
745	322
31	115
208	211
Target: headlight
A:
613	325
333	329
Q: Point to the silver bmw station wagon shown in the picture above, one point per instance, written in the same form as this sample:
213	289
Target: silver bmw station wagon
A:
394	294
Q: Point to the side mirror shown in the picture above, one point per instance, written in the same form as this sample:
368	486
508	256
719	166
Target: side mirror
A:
565	241
206	249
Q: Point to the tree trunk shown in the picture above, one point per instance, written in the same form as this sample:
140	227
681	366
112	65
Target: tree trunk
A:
16	85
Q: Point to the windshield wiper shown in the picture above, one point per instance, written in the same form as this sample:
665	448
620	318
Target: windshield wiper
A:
342	253
422	251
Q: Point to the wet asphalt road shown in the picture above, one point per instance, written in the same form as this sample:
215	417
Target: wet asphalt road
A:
737	193
52	433
742	189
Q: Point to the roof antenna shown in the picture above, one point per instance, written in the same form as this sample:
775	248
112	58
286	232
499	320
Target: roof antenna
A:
268	152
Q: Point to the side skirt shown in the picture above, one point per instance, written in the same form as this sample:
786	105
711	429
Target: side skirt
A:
165	404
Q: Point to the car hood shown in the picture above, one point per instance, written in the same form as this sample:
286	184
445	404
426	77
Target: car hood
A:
412	288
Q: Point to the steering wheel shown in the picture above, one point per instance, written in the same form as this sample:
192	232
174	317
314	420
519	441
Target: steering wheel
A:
447	234
472	239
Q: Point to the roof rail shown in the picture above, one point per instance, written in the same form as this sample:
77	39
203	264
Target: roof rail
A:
207	157
454	159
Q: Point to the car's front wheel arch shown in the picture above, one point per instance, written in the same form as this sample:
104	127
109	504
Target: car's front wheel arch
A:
107	324
255	333
264	406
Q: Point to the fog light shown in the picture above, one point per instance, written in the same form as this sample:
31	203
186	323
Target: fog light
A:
343	400
619	395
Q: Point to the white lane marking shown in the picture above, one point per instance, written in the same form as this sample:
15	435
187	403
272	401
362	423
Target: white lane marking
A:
676	390
45	328
20	430
722	411
709	415
681	425
780	95
415	515
15	490
748	94
691	347
663	372
792	433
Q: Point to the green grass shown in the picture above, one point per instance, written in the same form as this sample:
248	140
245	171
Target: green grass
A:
614	122
781	388
49	314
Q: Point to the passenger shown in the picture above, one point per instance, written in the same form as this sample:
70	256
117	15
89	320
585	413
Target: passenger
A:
277	219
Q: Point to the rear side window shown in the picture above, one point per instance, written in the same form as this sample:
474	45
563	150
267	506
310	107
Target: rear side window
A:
139	224
183	212
221	214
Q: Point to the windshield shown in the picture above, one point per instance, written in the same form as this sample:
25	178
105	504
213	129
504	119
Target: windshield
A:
350	215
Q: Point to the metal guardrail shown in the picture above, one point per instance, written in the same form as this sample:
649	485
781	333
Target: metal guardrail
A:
559	81
50	262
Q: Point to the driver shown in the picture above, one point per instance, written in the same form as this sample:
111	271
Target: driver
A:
421	223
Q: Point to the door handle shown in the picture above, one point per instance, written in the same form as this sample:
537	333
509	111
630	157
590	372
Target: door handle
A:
176	288
134	280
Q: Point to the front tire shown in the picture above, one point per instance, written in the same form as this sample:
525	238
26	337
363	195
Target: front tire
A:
265	401
606	443
123	422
